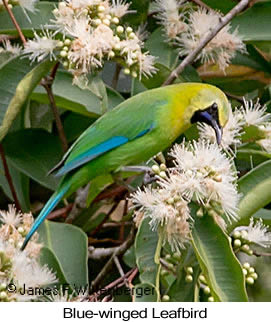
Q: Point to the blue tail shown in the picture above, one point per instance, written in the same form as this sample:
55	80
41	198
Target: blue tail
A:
50	205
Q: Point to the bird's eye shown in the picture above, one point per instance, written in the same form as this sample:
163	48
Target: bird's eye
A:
213	108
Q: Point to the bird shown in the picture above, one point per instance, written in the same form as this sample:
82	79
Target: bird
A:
133	132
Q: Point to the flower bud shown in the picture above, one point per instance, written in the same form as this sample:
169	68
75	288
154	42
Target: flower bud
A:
236	234
207	290
155	168
163	175
250	280
246	265
101	8
120	29
189	278
165	298
237	243
115	20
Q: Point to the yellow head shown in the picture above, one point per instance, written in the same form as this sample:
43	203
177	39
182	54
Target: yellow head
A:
196	102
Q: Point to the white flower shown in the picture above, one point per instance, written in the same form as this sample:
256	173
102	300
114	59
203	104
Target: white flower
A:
146	65
119	8
14	49
170	17
10	217
258	233
28	4
265	144
221	49
231	132
207	174
29	273
41	46
168	211
254	113
87	51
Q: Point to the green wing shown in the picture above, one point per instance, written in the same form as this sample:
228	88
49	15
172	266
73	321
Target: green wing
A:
131	120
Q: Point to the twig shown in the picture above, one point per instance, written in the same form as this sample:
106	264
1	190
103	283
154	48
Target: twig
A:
119	251
93	241
100	253
9	178
116	76
223	21
79	204
261	254
14	22
105	219
47	83
116	224
117	283
62	212
121	232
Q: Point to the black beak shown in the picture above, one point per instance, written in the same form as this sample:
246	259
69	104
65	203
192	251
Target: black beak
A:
210	117
218	131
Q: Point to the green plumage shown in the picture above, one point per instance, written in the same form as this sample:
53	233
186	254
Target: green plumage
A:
131	133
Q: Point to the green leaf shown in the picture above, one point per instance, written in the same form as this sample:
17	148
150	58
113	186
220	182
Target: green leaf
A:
145	292
69	96
48	258
139	12
137	87
17	81
223	6
265	215
129	257
41	17
254	23
74	124
34	152
97	185
247	158
158	79
69	244
158	47
145	248
114	97
97	87
217	261
255	189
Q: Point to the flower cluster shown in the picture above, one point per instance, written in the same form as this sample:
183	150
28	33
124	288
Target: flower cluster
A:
256	233
203	174
171	17
21	269
188	26
92	34
250	114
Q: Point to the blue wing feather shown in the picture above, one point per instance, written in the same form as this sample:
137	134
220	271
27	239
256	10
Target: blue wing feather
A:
96	151
92	153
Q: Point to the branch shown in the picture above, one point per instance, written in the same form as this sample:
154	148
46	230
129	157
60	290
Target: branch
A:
14	22
47	84
119	251
9	178
205	40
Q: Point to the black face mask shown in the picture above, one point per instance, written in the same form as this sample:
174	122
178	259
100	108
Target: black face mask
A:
210	117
